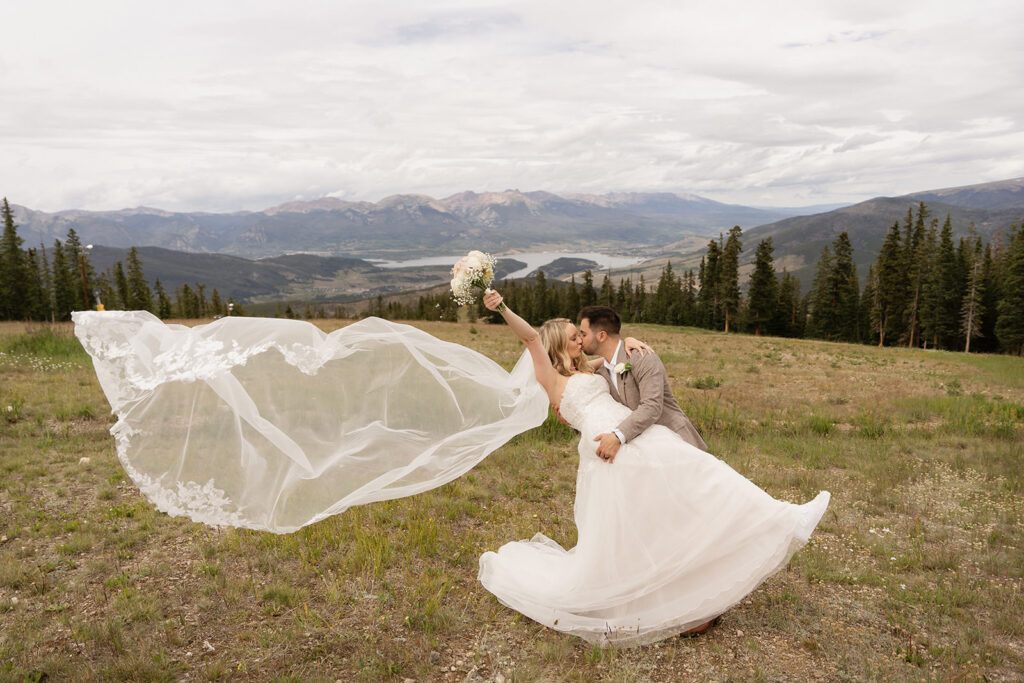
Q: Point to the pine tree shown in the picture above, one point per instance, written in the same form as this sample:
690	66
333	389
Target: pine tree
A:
588	295
63	284
820	298
688	302
164	308
666	294
942	293
46	273
80	270
13	273
846	289
867	301
640	301
573	299
835	294
202	306
124	298
789	322
991	294
709	299
624	300
764	294
972	309
35	307
140	298
606	295
217	306
729	283
186	304
917	255
1010	323
928	308
889	288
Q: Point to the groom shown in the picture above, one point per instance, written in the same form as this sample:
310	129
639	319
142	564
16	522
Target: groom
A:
641	384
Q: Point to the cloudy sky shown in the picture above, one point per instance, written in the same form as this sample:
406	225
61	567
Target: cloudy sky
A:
223	106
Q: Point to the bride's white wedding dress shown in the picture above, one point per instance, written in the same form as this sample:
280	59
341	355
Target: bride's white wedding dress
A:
669	536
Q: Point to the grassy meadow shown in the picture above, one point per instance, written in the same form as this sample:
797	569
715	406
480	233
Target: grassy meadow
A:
915	573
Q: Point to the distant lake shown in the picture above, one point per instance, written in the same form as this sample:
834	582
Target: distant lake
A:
533	261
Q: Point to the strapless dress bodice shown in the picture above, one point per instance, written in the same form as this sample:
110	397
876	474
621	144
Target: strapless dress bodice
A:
587	405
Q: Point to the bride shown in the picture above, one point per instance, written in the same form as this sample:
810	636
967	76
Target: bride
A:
669	537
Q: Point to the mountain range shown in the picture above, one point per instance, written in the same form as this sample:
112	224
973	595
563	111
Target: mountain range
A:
798	241
317	250
408	225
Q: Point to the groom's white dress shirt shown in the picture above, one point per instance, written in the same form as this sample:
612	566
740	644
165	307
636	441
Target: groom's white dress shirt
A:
615	384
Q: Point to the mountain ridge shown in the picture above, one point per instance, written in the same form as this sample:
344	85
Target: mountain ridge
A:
405	223
500	222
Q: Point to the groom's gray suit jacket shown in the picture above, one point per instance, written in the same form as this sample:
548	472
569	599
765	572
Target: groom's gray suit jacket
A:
646	391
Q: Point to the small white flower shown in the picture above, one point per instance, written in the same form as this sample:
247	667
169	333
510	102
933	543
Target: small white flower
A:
83	461
10	409
623	368
903	586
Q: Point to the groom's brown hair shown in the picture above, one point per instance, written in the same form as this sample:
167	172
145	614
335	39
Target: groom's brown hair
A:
602	318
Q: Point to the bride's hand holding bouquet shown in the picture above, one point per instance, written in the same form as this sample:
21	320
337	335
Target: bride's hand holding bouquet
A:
493	301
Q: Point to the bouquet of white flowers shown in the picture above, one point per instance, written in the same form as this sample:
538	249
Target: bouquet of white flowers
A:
474	271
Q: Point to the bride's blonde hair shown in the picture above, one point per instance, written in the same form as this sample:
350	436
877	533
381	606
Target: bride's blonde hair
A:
556	343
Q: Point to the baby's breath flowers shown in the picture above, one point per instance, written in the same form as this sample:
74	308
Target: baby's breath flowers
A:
474	271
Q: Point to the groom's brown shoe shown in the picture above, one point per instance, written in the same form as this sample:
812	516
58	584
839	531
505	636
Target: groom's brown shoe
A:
703	628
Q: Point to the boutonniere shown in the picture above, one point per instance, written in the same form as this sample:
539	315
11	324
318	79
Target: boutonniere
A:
622	368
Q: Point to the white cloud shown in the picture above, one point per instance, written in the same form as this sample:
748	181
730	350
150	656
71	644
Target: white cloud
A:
195	106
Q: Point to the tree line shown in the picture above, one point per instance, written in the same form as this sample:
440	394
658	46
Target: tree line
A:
923	291
47	284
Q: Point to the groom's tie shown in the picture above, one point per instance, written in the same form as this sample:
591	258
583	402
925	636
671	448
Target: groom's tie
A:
611	367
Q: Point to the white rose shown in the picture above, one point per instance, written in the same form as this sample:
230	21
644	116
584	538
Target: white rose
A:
620	368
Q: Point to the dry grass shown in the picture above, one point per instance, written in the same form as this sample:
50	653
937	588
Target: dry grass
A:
914	574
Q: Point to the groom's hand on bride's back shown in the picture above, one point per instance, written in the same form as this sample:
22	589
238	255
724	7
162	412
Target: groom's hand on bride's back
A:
608	447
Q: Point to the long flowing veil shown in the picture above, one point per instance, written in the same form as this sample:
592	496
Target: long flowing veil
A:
272	424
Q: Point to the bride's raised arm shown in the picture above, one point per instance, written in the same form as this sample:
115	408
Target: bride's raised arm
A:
542	368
